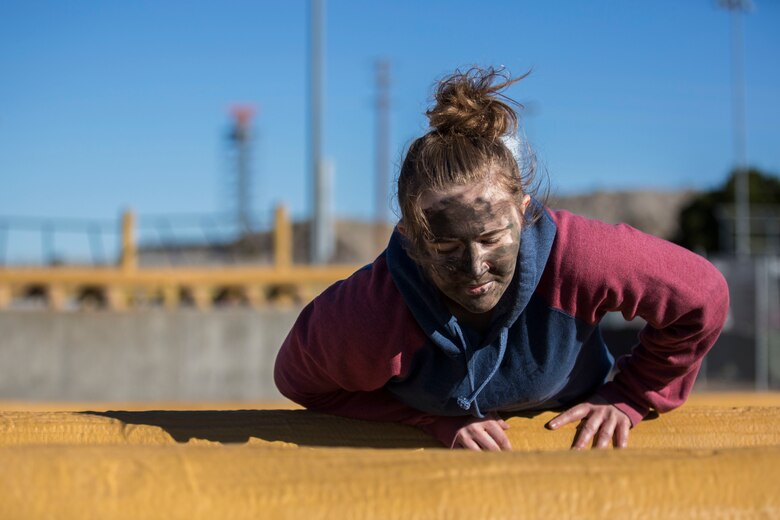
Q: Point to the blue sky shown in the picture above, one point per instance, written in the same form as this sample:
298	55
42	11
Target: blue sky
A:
106	105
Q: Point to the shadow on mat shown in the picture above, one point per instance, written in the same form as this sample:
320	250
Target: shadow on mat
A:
301	427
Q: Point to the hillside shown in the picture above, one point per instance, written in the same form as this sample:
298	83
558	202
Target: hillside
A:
653	212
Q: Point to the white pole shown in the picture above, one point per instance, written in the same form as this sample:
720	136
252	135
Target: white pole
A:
763	279
741	182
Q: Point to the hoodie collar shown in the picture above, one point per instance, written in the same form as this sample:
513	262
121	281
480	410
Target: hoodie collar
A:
425	303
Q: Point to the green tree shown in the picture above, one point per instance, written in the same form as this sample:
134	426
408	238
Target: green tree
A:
699	224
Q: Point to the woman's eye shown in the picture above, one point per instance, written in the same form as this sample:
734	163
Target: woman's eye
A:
444	249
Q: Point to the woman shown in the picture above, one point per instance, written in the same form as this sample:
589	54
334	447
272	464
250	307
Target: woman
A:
485	301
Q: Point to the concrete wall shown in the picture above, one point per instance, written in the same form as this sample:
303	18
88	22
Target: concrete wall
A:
220	355
148	355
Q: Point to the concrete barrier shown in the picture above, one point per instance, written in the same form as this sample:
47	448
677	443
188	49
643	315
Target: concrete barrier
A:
141	355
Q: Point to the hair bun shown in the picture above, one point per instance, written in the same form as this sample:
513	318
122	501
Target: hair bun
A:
471	104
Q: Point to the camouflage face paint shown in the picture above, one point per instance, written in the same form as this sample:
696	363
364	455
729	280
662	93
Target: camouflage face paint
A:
472	253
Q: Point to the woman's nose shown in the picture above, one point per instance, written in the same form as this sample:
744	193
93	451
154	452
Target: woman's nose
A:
475	261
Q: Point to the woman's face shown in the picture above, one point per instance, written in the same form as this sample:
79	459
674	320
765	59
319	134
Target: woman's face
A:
475	240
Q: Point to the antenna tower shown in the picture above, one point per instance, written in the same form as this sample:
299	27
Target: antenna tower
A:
240	139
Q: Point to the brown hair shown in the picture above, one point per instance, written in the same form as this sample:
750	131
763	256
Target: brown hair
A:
464	146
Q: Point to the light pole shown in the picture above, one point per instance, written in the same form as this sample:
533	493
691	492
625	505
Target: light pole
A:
321	172
742	186
382	164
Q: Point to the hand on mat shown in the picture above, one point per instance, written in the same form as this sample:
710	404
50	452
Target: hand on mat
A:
600	422
484	434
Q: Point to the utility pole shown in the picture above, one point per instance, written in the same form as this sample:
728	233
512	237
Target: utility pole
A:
382	75
321	222
742	185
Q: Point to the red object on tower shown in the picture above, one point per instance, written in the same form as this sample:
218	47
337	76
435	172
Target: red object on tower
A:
243	114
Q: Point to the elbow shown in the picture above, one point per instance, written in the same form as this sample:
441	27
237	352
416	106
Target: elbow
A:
718	299
711	308
294	377
283	378
280	379
286	386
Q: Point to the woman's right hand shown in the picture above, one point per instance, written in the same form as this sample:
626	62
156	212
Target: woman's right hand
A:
484	434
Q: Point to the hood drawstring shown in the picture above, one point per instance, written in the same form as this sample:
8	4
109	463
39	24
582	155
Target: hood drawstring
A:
466	402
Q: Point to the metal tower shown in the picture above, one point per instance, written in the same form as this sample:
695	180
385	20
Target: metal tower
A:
240	139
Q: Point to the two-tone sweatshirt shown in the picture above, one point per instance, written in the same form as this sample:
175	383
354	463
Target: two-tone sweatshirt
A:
381	345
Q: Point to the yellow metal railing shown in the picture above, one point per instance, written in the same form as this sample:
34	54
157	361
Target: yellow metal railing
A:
127	284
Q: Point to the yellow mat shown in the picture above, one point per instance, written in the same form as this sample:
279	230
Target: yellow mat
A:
265	482
693	426
717	457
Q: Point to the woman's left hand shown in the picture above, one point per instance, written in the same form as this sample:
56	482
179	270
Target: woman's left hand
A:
601	422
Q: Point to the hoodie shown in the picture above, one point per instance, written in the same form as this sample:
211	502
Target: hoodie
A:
381	345
532	357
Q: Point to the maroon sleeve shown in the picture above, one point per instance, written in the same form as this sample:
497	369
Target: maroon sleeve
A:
596	268
349	342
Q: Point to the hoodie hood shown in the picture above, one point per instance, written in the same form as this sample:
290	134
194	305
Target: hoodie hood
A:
467	362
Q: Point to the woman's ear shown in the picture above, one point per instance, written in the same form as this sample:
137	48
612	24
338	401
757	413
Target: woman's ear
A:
401	228
524	204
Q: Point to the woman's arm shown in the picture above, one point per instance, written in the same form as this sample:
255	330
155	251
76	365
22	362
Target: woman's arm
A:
682	297
322	386
346	345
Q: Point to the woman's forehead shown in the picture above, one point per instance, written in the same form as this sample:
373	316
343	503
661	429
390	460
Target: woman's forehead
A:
468	194
470	211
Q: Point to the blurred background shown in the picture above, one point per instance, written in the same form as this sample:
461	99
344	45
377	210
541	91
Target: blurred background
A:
177	179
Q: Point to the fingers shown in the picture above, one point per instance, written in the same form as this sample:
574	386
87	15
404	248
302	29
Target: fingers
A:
605	433
497	435
600	423
602	428
486	441
478	441
577	413
468	443
497	418
484	435
621	434
586	431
